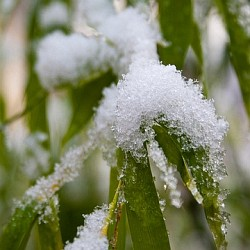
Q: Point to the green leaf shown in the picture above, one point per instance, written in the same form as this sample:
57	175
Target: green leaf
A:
196	43
37	115
36	106
49	230
176	23
4	152
84	99
238	30
191	166
16	233
145	218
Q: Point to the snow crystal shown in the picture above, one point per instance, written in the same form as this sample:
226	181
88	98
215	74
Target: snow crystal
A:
55	13
62	58
89	236
151	91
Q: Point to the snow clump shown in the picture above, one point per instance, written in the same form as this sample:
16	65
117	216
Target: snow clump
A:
152	93
54	14
65	58
89	236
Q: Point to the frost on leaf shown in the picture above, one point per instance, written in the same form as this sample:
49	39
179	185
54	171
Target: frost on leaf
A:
45	188
90	235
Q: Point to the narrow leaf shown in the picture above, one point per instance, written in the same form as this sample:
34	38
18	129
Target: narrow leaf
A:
237	24
176	25
196	43
191	165
16	233
145	218
49	230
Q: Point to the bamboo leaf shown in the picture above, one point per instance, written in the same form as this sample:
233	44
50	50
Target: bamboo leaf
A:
16	233
204	188
176	25
238	30
49	230
145	218
196	43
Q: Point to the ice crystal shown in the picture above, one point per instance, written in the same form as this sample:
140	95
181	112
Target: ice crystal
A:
55	13
90	235
65	58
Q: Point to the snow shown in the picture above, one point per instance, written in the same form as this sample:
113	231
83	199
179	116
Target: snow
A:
123	37
168	172
64	172
132	37
65	58
153	93
89	236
